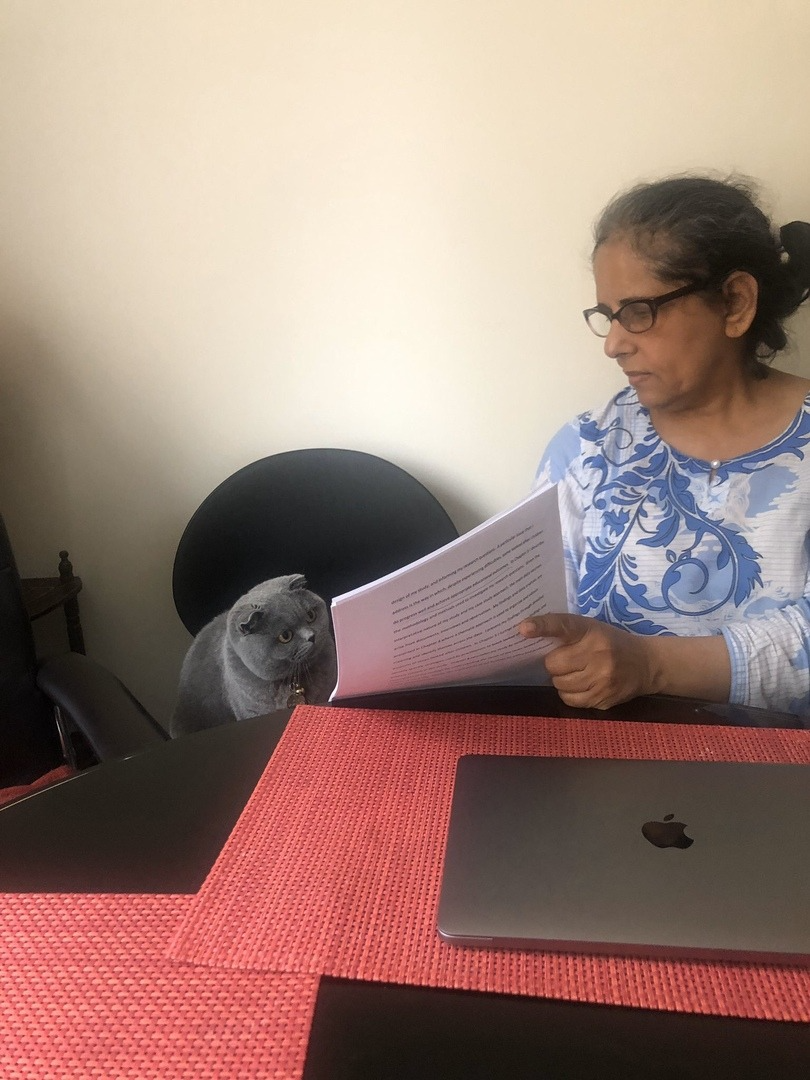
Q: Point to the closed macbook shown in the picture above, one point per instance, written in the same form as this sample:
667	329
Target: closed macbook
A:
660	858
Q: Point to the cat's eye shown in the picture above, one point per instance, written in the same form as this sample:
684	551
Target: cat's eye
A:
311	616
285	637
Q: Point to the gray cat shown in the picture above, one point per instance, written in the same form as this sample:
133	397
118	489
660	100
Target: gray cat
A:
272	649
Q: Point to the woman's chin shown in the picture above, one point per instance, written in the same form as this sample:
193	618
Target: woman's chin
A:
645	388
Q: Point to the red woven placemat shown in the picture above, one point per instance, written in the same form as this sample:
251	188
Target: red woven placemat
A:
334	866
86	991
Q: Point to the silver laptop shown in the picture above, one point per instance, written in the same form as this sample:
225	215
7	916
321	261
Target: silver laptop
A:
661	858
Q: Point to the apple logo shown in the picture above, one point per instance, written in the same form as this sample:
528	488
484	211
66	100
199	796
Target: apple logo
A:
667	833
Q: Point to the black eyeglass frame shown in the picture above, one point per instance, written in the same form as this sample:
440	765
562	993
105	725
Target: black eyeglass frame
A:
652	302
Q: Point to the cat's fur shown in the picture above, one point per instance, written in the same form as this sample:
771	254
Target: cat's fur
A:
248	660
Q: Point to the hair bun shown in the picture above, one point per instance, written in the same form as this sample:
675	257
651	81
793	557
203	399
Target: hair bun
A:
795	237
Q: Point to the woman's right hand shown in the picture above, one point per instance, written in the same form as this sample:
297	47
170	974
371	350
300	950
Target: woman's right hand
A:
597	666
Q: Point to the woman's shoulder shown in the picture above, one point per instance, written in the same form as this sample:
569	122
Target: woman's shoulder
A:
622	411
578	437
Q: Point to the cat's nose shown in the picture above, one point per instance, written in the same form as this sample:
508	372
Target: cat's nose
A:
308	635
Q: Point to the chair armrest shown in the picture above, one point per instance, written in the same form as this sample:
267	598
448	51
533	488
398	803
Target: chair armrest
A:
114	723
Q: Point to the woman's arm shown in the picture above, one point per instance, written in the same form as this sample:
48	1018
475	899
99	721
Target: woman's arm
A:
764	661
596	666
770	658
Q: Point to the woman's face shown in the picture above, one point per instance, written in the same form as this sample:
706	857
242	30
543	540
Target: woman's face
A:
686	358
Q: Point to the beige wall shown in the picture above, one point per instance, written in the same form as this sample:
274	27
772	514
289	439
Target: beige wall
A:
232	227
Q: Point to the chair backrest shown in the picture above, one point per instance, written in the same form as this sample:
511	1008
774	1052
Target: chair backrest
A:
27	733
340	517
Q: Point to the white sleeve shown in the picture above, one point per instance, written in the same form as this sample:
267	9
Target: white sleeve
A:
770	659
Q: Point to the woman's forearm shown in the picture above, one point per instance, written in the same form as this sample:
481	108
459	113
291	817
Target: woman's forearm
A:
697	667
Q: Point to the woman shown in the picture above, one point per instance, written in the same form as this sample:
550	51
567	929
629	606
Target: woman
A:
686	500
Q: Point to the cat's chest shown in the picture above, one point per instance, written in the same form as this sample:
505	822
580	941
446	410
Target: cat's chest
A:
262	695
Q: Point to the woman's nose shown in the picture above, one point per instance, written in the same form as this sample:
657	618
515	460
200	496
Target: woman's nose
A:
618	342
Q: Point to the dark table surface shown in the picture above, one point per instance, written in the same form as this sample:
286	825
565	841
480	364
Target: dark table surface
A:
152	823
156	822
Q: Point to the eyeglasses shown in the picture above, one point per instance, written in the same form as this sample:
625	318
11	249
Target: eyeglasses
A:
635	316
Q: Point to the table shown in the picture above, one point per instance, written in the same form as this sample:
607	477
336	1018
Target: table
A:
174	806
166	814
155	823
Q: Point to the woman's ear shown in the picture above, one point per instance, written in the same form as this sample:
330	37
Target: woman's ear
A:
740	293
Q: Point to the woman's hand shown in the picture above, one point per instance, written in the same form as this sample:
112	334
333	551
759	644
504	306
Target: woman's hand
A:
595	666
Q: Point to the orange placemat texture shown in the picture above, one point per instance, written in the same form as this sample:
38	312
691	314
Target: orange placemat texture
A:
334	866
86	991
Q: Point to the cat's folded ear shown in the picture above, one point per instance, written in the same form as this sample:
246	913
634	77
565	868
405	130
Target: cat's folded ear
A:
297	581
250	624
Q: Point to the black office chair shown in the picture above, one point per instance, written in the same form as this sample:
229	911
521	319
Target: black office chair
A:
341	517
41	705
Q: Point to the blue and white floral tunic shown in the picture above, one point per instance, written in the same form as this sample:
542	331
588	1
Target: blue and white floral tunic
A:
657	543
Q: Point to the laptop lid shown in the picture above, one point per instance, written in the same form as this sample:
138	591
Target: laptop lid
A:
662	858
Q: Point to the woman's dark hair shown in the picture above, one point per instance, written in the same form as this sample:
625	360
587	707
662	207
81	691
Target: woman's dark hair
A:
697	229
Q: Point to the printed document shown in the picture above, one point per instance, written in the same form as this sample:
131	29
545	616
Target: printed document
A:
451	617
